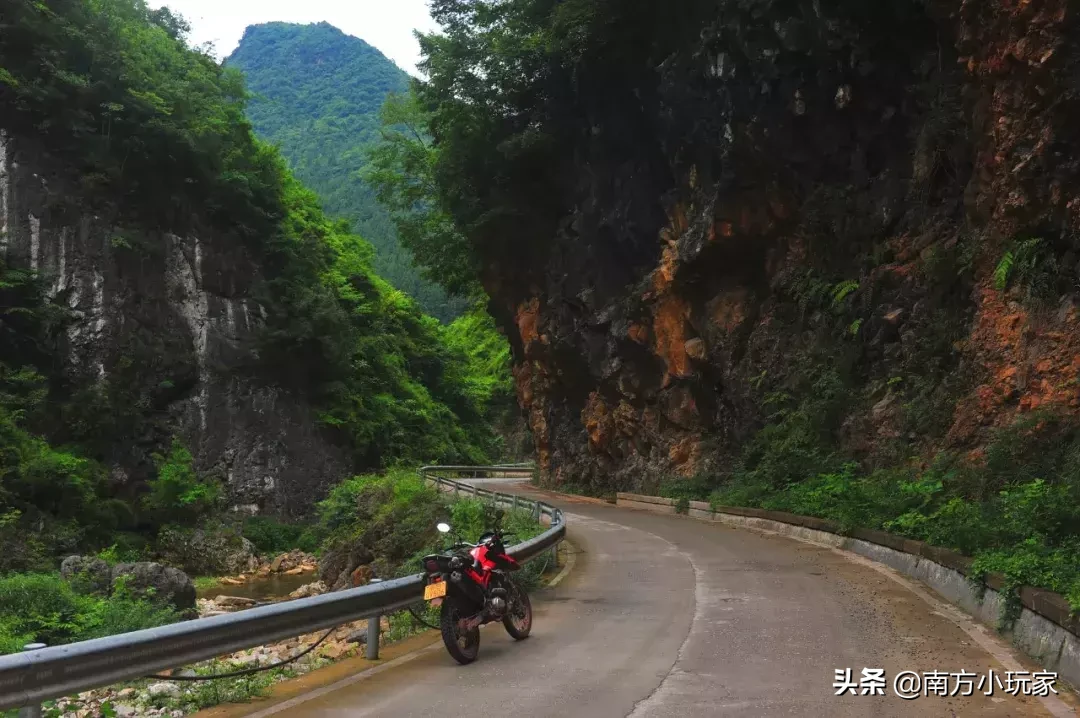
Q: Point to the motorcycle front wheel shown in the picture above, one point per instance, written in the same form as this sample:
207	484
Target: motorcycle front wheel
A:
518	618
462	646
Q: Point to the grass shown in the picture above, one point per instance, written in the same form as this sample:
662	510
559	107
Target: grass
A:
203	583
195	696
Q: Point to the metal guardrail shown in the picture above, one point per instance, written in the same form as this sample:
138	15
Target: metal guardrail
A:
506	471
28	678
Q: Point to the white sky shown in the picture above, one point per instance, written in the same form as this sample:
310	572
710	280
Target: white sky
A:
386	24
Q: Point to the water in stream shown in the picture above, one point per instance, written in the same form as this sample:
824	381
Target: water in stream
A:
272	587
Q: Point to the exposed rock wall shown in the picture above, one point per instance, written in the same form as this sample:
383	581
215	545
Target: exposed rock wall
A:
811	177
170	321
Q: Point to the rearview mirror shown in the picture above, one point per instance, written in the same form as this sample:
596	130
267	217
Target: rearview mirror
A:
444	528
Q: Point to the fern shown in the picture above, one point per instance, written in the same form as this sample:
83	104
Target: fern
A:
1030	266
1003	271
842	290
855	326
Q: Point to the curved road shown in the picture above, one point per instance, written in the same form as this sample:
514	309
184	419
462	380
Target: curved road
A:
664	616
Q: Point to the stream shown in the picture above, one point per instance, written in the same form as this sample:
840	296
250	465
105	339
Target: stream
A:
272	587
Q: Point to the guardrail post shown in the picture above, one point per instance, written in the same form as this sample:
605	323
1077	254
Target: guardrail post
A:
515	503
33	711
373	626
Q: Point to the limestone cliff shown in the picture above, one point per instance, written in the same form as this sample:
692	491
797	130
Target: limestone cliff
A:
169	321
889	194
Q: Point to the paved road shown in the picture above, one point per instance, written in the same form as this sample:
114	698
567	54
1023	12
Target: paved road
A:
663	616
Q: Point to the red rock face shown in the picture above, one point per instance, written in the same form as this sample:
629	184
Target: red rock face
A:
868	213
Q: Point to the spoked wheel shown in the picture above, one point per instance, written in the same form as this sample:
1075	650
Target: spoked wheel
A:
462	645
518	618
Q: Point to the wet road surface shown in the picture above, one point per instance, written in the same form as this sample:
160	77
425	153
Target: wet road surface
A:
665	616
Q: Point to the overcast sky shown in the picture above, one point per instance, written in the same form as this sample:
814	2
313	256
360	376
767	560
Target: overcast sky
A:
386	25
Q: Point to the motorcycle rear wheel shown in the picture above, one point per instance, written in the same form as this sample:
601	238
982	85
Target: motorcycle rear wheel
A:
463	647
518	618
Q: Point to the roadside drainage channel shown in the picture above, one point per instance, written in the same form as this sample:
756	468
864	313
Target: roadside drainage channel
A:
1045	629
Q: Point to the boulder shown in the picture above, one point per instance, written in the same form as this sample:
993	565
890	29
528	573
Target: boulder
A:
235	601
311	589
286	562
155	581
338	564
361	576
208	551
157	690
87	574
237	554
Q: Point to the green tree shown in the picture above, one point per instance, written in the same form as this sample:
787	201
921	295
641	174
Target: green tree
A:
178	494
402	171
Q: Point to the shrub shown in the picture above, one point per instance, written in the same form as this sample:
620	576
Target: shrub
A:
695	488
469	518
271	536
44	608
388	518
177	494
1032	563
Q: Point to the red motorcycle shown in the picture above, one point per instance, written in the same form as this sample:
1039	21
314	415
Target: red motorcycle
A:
471	584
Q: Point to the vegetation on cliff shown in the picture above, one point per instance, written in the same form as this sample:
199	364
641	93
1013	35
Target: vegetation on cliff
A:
778	252
155	135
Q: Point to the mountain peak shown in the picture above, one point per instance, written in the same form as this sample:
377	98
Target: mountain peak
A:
288	41
317	92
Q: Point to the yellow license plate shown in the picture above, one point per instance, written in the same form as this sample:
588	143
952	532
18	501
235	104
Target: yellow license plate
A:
434	590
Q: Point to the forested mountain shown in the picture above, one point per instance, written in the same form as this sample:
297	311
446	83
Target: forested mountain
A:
317	94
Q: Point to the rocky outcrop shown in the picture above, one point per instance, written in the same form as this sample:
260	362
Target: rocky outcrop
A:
795	189
87	574
167	322
142	579
346	567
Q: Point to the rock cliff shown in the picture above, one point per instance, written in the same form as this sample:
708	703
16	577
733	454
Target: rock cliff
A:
167	323
809	200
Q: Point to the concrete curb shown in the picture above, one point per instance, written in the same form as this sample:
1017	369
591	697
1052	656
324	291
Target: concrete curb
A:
1045	630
